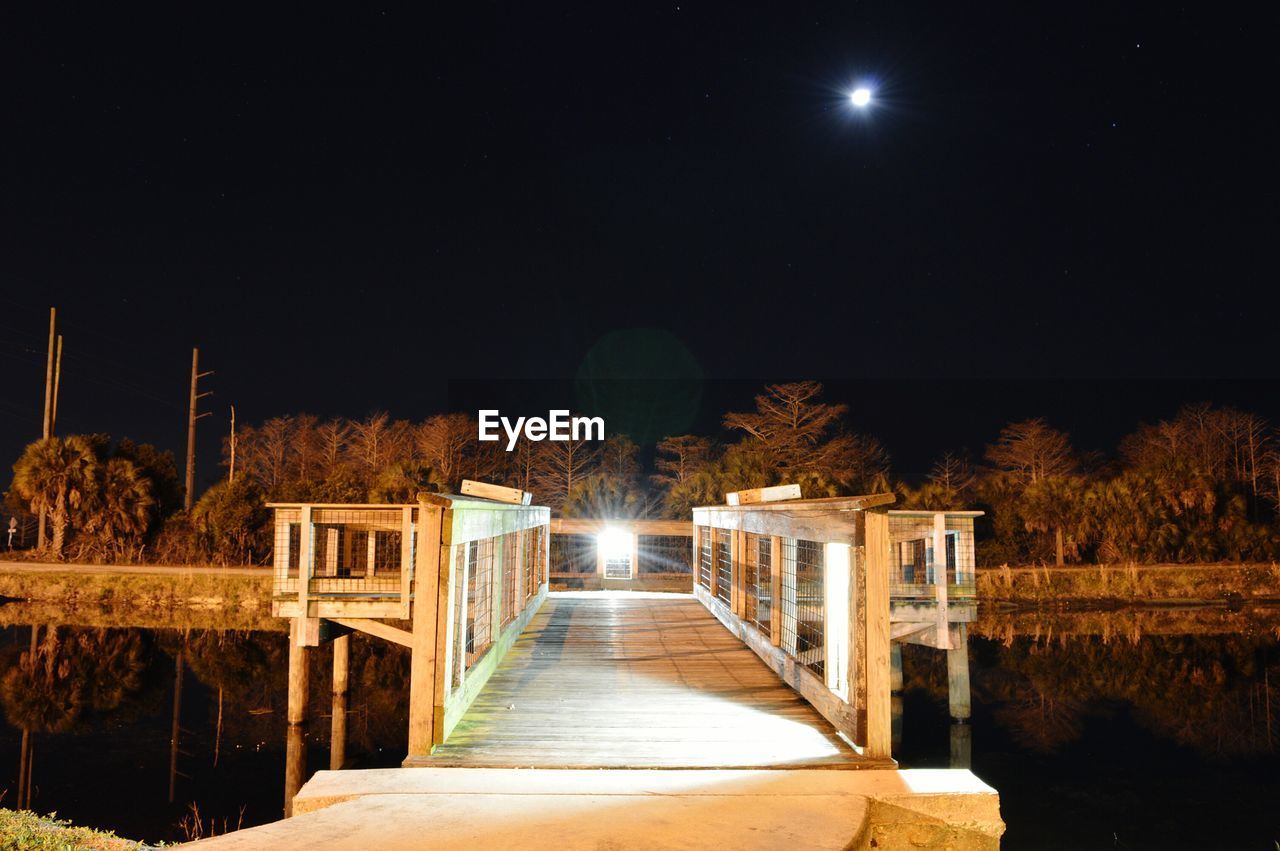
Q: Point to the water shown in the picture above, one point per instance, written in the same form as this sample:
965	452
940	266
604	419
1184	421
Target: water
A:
1129	729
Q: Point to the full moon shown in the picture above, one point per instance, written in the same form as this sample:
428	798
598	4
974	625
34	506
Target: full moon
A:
861	96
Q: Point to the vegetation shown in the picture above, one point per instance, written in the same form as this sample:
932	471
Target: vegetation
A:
1202	487
30	832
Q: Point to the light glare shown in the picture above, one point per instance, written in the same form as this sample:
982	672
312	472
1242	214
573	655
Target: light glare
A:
861	97
614	543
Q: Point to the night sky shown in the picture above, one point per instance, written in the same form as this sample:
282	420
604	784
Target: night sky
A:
347	213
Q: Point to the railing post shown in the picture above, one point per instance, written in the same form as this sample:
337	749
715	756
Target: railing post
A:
875	654
735	572
713	577
695	562
940	578
836	635
775	590
305	550
406	560
426	631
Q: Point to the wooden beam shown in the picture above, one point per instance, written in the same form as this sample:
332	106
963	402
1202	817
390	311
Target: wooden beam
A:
378	629
484	490
426	628
775	578
593	525
876	655
755	496
304	558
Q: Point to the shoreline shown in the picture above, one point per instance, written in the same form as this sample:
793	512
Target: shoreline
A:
247	590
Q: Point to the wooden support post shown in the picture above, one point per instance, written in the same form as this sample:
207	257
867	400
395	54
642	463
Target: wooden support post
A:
958	675
295	765
331	551
299	674
696	561
299	685
426	626
338	725
371	553
735	572
713	581
407	548
940	577
879	742
775	591
445	642
176	727
305	556
635	555
895	711
961	746
838	634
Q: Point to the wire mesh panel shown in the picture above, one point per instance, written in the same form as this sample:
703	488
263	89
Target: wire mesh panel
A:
810	604
533	561
914	568
759	582
461	615
704	556
663	554
479	599
803	602
618	566
511	602
287	545
724	566
573	553
356	551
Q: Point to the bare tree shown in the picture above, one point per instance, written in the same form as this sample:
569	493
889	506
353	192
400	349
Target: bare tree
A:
953	474
560	465
446	441
679	458
332	438
1032	451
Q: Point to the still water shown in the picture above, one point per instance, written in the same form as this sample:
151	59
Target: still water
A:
1127	729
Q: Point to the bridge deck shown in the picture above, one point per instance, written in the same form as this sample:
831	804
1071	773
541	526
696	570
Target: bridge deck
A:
613	680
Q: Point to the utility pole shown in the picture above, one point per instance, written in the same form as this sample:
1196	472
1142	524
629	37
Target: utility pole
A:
192	416
48	409
232	477
57	383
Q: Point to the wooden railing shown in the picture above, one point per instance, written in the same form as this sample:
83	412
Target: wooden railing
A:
468	572
805	584
481	574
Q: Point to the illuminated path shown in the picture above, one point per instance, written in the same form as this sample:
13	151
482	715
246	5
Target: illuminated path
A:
629	680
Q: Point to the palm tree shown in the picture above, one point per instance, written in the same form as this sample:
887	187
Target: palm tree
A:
119	507
53	475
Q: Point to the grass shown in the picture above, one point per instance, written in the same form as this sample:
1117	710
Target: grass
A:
30	832
1130	583
148	590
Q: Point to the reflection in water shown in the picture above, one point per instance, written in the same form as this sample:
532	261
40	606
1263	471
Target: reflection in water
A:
1083	721
129	720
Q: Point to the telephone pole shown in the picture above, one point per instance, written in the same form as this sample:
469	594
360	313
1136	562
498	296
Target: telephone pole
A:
192	416
47	429
57	384
232	476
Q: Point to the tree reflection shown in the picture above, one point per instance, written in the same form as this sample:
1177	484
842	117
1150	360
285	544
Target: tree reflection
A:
73	678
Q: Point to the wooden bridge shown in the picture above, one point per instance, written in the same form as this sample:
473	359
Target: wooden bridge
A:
776	656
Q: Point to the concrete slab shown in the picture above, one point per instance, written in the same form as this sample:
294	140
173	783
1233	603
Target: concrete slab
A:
625	809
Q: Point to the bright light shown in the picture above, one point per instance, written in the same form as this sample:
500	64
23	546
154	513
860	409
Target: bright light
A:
861	97
614	543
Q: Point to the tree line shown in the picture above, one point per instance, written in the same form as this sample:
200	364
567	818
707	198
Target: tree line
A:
1204	486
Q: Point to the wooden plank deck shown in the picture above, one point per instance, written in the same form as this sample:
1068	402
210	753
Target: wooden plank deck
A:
618	680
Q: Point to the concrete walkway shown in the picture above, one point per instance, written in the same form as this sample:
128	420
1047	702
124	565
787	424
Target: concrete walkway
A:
558	809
